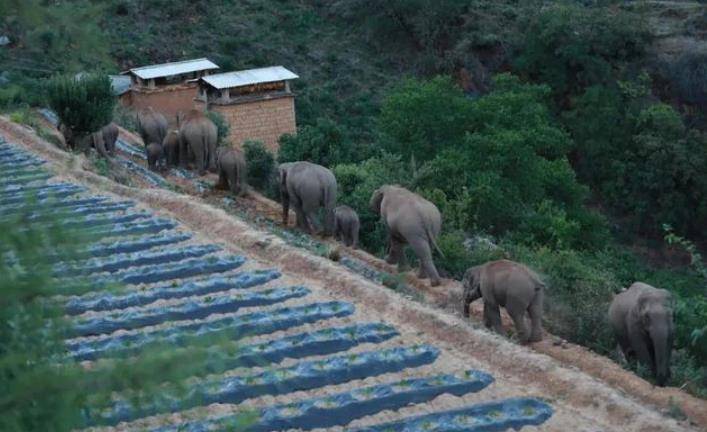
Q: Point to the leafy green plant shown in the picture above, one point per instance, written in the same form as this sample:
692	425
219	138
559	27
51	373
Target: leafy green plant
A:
260	166
221	125
83	105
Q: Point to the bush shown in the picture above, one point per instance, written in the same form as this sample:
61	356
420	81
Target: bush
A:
324	143
571	47
261	168
421	118
84	105
221	125
511	172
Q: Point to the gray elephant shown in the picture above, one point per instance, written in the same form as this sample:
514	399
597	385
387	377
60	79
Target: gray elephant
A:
231	170
409	219
97	141
346	225
642	320
152	126
171	148
155	155
198	138
110	136
508	284
308	187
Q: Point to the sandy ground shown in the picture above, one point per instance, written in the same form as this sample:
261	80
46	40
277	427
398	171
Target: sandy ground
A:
588	392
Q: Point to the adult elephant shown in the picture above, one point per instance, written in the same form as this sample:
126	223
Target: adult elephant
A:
198	136
409	219
308	187
642	320
152	126
110	136
511	285
231	171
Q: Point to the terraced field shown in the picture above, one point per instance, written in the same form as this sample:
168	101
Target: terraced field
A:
320	345
177	290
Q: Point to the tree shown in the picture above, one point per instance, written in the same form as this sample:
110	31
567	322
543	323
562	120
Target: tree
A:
324	143
84	104
571	46
420	118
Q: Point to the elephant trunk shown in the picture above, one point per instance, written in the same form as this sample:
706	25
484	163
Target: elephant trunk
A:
662	346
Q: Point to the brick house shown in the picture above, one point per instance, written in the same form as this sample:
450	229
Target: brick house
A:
258	104
168	88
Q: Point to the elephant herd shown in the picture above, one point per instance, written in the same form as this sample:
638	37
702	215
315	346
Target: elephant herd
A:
193	142
641	316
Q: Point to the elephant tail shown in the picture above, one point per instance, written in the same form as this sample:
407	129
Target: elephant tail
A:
432	241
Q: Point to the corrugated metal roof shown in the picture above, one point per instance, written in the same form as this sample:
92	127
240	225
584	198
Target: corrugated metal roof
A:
176	68
248	77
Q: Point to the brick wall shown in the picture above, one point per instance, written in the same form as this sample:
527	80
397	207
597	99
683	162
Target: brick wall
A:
262	120
167	100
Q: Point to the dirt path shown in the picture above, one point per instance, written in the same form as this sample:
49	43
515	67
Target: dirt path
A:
588	392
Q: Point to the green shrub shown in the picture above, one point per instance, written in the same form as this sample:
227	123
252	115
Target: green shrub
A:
84	105
261	167
221	125
571	47
324	143
421	118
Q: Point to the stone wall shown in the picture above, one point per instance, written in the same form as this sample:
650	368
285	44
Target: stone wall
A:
262	120
168	100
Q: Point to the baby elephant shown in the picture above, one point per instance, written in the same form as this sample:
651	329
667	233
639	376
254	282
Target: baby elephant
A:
231	170
346	225
155	154
642	320
511	285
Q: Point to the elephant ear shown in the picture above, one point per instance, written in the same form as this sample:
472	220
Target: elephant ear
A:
376	200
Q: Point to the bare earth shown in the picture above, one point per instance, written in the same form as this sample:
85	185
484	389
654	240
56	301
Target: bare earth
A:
588	392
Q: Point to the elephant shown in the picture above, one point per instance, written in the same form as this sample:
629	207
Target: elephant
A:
171	148
155	154
410	219
510	285
110	136
642	320
231	170
346	225
152	126
97	141
309	187
198	136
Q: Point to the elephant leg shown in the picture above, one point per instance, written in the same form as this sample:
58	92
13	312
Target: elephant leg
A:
201	162
354	238
517	312
640	346
492	317
536	317
421	247
233	182
395	251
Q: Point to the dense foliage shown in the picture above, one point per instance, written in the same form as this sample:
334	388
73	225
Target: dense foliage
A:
260	165
83	105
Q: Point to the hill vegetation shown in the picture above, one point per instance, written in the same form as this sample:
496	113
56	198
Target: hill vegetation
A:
572	132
